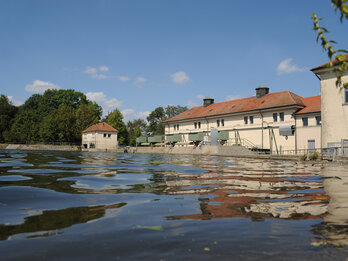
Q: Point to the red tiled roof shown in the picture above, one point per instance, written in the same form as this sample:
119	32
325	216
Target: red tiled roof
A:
313	104
103	126
326	64
271	100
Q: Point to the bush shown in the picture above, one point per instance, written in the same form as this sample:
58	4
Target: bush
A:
314	155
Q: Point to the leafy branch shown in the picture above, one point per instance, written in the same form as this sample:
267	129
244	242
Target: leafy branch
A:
338	58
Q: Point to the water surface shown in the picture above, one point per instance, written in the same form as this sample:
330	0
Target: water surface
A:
86	206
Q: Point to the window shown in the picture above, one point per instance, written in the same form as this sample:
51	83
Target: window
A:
177	127
275	117
345	95
199	125
305	121
251	119
223	123
104	135
246	120
174	127
281	116
218	123
109	135
318	120
195	125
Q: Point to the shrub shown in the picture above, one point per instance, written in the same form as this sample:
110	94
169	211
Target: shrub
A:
314	155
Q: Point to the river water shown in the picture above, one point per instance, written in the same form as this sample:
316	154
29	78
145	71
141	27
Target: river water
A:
105	206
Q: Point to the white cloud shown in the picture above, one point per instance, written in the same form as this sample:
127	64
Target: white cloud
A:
142	115
127	112
40	86
99	76
180	77
200	96
139	81
90	70
233	97
285	67
14	102
191	103
96	96
95	72
107	104
103	68
123	78
113	103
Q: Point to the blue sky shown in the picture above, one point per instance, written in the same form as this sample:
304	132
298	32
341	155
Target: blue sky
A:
137	55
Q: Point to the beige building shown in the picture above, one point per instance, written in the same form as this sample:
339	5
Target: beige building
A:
334	107
100	136
276	122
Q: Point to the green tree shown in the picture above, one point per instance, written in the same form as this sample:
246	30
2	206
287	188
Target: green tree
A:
160	114
115	119
338	58
60	126
171	110
155	119
55	116
7	115
87	115
135	129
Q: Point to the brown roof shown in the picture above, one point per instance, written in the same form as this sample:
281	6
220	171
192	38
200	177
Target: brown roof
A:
103	126
313	104
271	100
327	64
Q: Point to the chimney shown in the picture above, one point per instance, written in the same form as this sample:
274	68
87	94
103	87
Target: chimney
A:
261	91
207	101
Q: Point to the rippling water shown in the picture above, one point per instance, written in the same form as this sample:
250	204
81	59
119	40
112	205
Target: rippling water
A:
87	206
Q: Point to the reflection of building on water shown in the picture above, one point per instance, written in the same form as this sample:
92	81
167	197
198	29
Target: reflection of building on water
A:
274	194
334	229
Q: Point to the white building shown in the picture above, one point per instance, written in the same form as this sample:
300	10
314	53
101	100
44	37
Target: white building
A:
334	106
100	136
261	122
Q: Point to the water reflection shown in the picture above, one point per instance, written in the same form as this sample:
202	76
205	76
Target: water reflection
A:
285	191
64	189
334	228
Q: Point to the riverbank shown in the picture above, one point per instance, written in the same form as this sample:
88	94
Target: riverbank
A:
229	151
40	147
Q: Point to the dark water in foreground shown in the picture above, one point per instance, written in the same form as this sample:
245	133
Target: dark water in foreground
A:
89	206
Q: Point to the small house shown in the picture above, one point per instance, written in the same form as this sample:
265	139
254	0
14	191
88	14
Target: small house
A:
100	136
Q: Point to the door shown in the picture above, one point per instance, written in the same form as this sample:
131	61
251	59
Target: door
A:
311	145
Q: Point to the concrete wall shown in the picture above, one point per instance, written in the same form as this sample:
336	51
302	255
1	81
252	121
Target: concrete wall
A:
200	150
102	140
334	110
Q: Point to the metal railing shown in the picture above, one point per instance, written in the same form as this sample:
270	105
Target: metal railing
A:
241	142
325	153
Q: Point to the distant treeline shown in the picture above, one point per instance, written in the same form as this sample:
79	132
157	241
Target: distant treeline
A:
60	116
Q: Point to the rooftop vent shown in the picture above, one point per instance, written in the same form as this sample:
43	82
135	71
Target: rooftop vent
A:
261	91
207	101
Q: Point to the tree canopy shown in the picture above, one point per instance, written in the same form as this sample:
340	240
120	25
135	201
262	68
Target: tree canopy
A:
115	119
160	114
55	116
7	115
135	129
